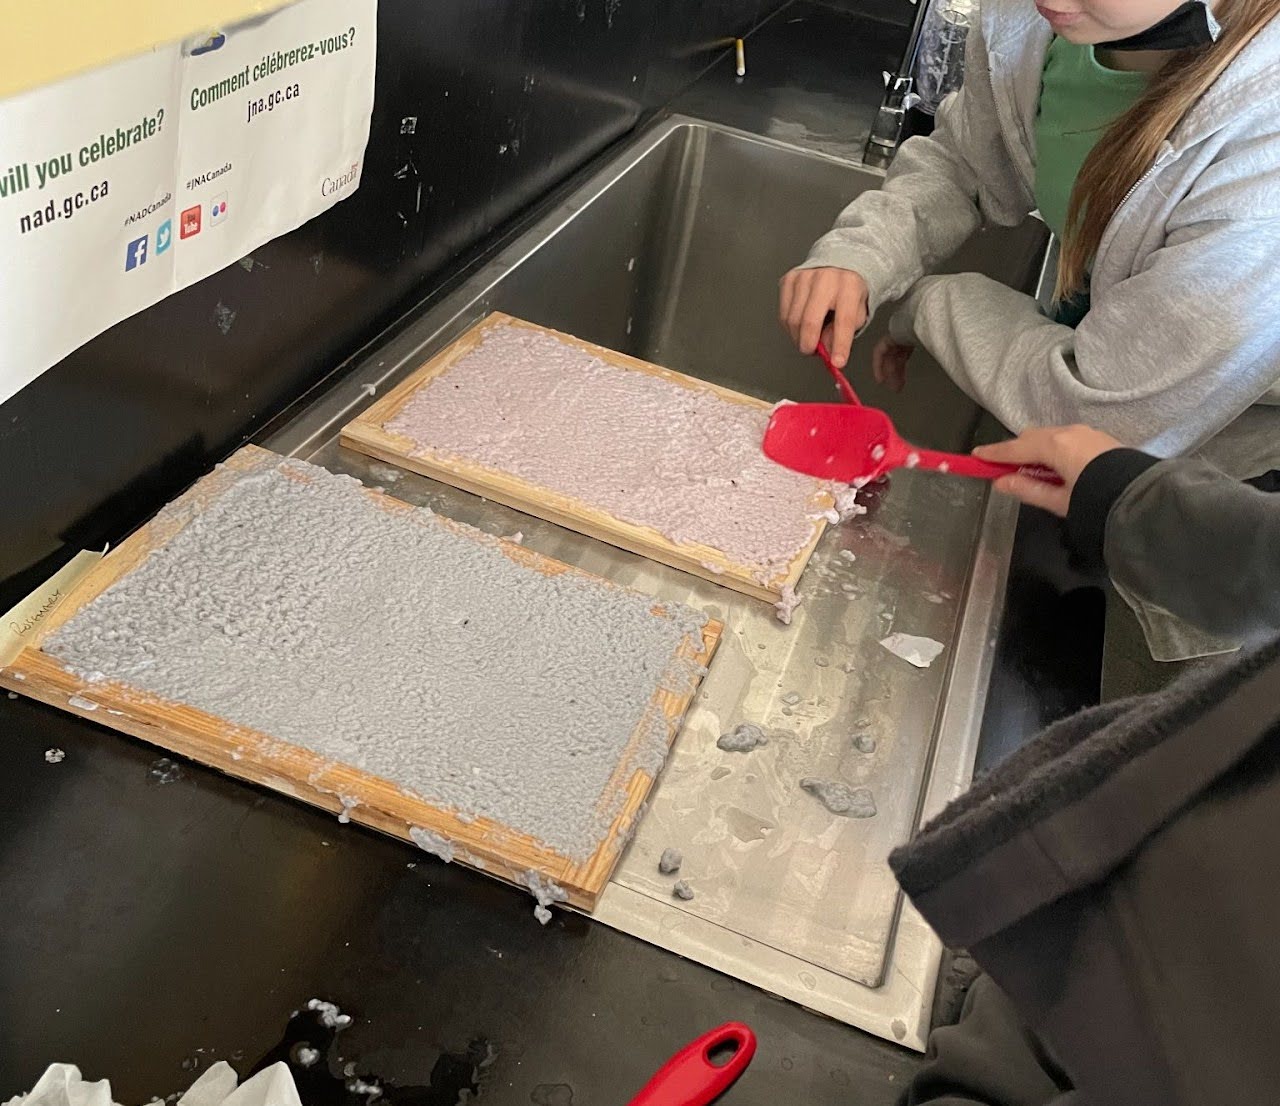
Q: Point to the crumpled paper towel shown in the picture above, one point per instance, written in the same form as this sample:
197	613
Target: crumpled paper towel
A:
63	1085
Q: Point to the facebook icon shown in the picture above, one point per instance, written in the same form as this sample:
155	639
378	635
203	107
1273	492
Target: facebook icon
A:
135	253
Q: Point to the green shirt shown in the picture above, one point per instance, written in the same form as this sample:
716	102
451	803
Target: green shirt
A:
1079	99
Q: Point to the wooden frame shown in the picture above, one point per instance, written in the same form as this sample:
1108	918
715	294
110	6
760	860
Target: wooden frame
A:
367	434
300	773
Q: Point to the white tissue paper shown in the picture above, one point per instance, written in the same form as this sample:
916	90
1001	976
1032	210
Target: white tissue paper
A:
920	651
63	1085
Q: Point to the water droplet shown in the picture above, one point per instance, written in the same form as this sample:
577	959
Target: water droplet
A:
552	1094
164	771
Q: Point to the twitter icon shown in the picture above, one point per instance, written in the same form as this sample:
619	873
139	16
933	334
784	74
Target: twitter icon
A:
164	235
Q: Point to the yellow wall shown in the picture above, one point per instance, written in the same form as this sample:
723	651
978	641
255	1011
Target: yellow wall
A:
45	40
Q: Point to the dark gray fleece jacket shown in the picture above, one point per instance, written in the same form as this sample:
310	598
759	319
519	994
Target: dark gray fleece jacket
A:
1119	880
1181	538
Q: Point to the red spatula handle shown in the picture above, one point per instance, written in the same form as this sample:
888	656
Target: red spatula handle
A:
842	382
961	464
689	1078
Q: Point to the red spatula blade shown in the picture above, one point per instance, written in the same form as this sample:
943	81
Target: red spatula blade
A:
831	441
834	441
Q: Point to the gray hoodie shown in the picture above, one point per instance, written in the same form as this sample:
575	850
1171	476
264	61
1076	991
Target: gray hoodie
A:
1180	351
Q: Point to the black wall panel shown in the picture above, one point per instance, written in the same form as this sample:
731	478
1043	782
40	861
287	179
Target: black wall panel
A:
481	107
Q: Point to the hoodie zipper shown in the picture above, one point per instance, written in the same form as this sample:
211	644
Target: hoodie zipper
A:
1166	153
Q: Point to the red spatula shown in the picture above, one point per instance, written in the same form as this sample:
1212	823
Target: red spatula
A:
689	1078
842	382
835	441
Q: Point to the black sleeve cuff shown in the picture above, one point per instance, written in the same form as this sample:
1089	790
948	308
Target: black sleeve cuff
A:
1103	481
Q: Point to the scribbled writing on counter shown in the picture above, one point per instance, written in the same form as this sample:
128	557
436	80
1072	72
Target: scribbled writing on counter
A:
36	617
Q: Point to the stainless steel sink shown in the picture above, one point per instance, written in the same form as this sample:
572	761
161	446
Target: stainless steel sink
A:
672	252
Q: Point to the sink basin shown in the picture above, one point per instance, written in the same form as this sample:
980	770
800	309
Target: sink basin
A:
677	262
671	251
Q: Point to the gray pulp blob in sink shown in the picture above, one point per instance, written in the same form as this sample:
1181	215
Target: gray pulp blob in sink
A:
296	606
669	862
840	798
743	738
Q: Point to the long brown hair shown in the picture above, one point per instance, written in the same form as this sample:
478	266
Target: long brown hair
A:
1129	146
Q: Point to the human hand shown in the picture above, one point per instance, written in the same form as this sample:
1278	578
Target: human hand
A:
889	363
828	304
1067	450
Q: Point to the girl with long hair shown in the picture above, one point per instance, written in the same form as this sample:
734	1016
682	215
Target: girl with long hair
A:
1147	134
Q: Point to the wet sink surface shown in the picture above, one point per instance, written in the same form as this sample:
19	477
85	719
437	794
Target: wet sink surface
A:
672	253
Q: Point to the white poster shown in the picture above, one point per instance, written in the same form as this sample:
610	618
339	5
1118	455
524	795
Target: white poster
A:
126	184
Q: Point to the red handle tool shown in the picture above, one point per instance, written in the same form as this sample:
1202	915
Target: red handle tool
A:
842	382
834	441
689	1078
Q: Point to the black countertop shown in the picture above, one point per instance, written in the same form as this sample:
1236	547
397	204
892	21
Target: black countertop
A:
814	78
161	917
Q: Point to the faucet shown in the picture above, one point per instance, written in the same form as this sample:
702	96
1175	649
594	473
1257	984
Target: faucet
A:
886	131
932	67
